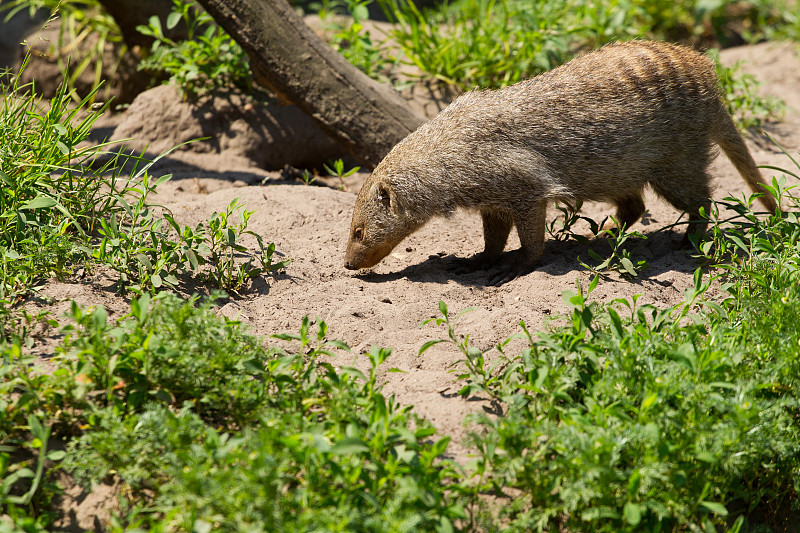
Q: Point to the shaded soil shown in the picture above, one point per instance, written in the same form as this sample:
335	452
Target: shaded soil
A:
385	306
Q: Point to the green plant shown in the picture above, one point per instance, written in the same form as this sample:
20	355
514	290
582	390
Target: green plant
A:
137	244
352	40
758	254
338	172
620	257
50	195
651	421
222	241
168	351
264	437
85	31
560	228
739	92
24	438
307	177
18	327
483	43
142	246
207	60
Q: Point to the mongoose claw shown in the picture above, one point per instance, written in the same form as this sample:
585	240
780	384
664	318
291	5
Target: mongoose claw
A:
508	272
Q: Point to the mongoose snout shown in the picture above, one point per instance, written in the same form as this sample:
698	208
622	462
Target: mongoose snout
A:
601	127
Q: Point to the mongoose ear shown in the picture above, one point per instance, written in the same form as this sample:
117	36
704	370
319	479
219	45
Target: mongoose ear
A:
384	196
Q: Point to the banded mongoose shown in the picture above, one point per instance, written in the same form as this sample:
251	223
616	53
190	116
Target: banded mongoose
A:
600	127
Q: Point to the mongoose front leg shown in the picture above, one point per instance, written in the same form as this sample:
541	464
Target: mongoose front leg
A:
496	228
530	224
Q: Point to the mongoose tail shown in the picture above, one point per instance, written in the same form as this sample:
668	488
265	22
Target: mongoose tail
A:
731	142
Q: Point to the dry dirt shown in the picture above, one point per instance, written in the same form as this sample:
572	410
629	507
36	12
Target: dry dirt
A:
310	225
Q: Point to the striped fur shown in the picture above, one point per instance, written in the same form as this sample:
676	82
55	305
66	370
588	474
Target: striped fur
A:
601	127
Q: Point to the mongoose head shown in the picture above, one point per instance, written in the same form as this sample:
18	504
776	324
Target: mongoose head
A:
379	224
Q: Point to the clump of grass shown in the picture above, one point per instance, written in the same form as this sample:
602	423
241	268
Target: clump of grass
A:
85	31
50	196
59	193
149	251
482	43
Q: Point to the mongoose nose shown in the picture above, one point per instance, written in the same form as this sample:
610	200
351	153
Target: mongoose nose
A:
349	266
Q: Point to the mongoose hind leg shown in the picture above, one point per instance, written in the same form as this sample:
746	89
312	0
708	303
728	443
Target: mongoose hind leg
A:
496	228
689	196
629	210
530	222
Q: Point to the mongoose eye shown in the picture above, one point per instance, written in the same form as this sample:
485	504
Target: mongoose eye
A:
358	234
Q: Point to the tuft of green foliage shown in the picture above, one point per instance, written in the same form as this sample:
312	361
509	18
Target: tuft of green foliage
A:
208	428
59	193
337	170
207	60
483	43
220	240
639	420
351	39
85	31
51	195
149	251
740	94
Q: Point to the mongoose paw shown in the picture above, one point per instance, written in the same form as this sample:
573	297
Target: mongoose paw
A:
510	271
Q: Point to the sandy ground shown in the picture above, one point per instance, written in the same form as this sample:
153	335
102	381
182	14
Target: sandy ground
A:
384	307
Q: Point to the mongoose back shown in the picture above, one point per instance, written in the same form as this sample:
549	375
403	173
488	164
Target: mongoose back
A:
600	127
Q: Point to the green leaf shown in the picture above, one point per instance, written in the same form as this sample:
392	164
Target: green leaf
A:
155	25
593	283
40	202
37	429
359	13
338	344
616	324
348	446
648	402
706	457
352	371
144	260
632	513
628	266
428	345
715	507
173	19
56	455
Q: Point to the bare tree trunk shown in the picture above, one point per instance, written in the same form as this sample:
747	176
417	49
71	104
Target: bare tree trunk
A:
289	58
